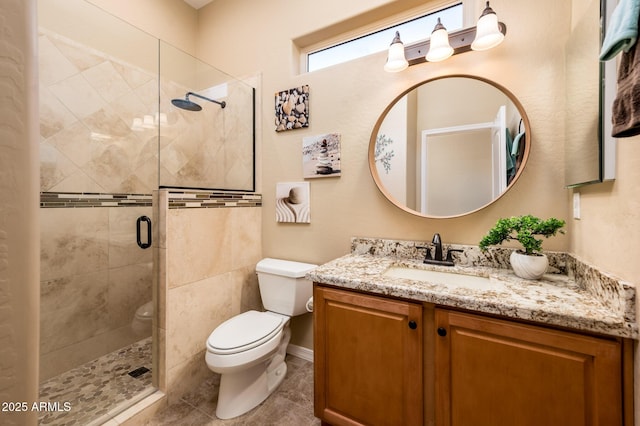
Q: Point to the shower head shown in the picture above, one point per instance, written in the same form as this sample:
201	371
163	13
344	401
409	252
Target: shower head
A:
186	104
192	106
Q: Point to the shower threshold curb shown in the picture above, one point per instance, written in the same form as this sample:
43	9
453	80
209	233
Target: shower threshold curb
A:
151	402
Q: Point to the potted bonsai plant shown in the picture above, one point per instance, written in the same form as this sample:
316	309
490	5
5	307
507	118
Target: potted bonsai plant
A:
529	263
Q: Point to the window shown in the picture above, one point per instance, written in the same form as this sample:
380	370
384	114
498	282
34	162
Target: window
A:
411	31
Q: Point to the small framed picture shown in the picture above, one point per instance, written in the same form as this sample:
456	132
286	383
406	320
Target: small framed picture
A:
321	156
292	108
292	202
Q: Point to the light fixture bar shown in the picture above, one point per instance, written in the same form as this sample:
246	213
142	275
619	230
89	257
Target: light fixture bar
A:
460	41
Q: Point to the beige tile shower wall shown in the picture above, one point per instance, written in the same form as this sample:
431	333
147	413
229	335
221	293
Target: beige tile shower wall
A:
89	102
93	278
100	121
211	148
207	275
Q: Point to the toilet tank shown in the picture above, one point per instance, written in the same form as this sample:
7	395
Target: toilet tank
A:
283	287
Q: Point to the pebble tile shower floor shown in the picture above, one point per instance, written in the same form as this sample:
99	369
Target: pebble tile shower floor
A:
100	388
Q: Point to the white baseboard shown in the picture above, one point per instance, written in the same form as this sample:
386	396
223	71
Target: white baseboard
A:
300	352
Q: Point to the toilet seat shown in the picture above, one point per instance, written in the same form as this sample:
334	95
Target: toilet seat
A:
244	332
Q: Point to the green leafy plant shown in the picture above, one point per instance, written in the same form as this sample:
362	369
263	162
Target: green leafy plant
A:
522	229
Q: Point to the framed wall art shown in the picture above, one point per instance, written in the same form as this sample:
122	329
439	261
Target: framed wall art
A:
292	202
292	108
321	156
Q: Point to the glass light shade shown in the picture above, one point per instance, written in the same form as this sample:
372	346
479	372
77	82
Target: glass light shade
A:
396	60
488	33
439	47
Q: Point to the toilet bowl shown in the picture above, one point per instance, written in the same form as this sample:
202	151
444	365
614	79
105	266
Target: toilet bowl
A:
249	349
142	320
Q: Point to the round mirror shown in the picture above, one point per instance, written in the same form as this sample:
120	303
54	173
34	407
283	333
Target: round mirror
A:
449	146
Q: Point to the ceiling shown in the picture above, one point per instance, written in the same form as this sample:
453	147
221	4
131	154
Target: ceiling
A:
197	4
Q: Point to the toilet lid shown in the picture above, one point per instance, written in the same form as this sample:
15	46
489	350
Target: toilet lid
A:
243	332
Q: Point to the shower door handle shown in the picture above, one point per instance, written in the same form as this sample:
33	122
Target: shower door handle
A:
139	232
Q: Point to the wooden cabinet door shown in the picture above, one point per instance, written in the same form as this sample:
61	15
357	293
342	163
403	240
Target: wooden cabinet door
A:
492	372
368	359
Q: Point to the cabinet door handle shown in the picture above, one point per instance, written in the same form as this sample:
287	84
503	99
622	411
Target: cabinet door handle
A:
413	325
442	331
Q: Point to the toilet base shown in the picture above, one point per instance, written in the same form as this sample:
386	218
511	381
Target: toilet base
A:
243	390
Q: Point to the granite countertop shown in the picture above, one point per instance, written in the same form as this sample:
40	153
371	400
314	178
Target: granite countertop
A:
556	299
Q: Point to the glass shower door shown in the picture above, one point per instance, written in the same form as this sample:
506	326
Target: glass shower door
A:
99	119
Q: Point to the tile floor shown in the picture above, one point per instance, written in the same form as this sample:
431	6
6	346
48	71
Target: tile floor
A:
101	388
98	389
290	405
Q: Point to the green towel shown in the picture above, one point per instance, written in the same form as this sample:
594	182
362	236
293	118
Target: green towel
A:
516	144
622	31
511	162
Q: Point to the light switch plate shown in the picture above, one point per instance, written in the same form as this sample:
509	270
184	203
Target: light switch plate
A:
576	205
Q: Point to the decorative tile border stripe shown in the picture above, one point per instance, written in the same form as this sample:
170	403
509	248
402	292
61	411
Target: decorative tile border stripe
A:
213	199
75	199
177	199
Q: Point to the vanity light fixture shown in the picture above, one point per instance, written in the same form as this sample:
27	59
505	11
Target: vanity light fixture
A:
488	33
395	60
439	48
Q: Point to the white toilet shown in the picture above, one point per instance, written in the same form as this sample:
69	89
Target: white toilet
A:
249	349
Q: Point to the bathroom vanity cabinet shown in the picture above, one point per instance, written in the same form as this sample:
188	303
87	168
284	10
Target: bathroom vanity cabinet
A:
367	359
386	361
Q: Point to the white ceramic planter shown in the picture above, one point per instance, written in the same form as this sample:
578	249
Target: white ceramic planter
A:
528	267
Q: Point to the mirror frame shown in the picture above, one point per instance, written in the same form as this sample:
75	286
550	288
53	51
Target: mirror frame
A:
374	133
603	141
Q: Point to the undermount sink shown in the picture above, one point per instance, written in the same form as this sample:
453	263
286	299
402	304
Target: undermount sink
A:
439	277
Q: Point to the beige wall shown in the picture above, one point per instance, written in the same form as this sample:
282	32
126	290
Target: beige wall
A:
19	249
349	98
607	233
173	21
